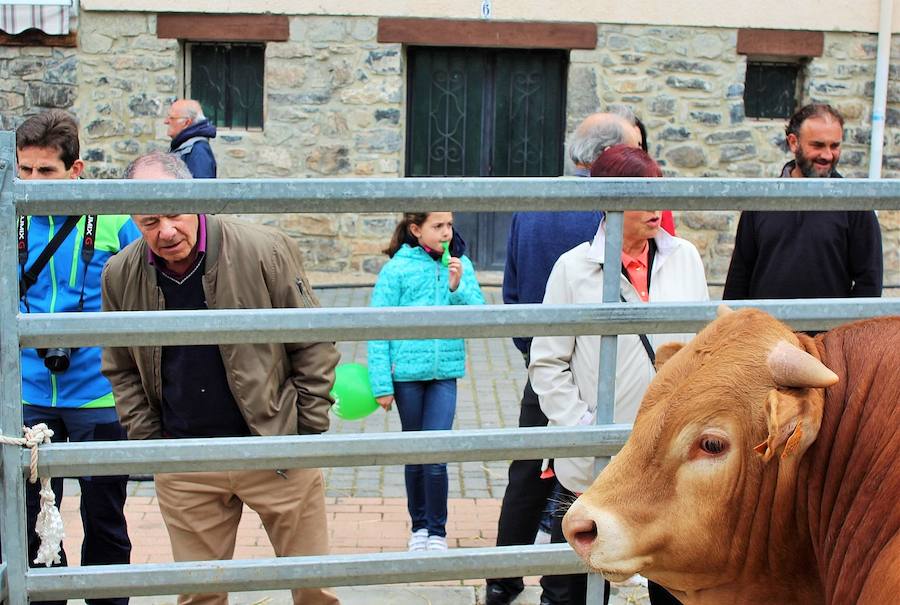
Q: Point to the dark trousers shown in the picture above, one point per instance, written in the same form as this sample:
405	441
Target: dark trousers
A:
106	539
524	503
576	584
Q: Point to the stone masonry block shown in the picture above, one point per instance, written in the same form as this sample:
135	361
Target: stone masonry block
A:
384	61
732	153
115	25
329	160
95	43
687	156
50	95
682	66
689	83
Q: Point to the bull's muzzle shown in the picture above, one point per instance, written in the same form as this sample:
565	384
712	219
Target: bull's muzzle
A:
580	530
601	539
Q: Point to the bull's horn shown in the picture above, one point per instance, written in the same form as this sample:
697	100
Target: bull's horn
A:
723	310
793	367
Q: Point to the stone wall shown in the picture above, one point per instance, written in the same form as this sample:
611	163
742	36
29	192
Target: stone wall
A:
335	107
33	79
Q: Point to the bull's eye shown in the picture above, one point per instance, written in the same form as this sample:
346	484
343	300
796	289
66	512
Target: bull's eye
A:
713	445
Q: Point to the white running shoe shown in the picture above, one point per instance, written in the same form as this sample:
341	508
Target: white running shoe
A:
418	540
437	543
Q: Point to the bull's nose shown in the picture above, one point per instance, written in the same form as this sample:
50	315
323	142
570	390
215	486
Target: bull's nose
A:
580	530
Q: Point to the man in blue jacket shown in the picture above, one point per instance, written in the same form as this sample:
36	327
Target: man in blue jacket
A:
63	388
190	132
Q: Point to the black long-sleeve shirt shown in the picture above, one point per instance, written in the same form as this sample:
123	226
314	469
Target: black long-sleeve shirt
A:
805	254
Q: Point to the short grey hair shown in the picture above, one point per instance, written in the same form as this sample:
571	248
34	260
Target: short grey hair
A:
624	111
588	143
194	113
170	163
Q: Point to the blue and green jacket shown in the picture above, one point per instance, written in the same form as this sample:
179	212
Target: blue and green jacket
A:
58	290
412	278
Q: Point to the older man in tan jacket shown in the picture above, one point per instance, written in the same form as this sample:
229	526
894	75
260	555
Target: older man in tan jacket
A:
190	261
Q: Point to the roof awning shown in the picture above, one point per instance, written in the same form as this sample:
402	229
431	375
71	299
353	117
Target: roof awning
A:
48	16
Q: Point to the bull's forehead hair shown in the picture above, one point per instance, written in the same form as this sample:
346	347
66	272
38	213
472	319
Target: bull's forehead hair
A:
721	371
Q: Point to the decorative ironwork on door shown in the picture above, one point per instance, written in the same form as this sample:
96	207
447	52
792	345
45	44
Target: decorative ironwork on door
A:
485	112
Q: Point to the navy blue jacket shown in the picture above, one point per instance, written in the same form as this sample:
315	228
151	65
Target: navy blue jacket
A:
536	240
192	145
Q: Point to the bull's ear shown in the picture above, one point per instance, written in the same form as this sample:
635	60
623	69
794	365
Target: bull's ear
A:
793	418
665	351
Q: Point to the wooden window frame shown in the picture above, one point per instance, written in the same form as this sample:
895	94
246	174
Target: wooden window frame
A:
782	43
198	27
487	34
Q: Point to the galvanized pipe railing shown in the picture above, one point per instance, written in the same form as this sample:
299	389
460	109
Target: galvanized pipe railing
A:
152	328
354	195
327	450
254	196
300	572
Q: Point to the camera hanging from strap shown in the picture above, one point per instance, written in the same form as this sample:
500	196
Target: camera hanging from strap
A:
88	242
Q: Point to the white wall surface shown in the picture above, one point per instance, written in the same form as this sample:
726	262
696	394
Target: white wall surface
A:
825	15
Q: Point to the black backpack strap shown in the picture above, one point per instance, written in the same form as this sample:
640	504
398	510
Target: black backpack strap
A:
29	277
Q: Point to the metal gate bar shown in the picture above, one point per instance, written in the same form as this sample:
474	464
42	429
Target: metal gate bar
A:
355	195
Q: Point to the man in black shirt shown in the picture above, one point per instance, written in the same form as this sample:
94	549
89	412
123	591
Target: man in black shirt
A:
807	254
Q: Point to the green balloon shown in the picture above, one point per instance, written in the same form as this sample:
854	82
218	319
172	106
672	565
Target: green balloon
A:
352	392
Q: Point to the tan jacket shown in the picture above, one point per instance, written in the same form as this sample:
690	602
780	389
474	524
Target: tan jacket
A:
281	389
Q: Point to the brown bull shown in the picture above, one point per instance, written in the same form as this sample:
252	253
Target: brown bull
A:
755	474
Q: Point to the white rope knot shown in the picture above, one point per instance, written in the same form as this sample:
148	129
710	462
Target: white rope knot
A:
36	435
49	526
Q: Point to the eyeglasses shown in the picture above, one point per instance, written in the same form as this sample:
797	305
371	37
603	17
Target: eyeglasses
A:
173	118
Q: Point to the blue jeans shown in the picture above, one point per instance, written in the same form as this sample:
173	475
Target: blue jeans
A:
427	405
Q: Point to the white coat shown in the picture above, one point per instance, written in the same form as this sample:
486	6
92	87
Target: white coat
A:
564	369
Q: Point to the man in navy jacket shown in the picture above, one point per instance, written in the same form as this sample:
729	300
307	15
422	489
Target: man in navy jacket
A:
190	132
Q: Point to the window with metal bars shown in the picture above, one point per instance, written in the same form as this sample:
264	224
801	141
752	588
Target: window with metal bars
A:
227	80
770	89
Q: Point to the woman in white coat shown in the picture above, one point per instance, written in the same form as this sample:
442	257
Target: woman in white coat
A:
655	267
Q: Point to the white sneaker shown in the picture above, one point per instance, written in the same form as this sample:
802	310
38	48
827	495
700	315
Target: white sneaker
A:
437	543
418	540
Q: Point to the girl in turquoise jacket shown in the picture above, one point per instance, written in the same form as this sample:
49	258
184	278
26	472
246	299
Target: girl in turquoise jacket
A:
428	267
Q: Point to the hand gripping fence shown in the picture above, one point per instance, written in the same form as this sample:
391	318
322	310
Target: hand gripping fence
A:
49	526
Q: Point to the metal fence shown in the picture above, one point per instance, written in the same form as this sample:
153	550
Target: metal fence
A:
19	584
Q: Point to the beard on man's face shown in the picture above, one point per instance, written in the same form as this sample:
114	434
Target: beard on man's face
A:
810	169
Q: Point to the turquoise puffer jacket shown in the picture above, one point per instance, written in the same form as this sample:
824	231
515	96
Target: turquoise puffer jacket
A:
413	279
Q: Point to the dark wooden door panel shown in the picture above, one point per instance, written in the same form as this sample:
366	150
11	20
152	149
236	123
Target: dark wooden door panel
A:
485	112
